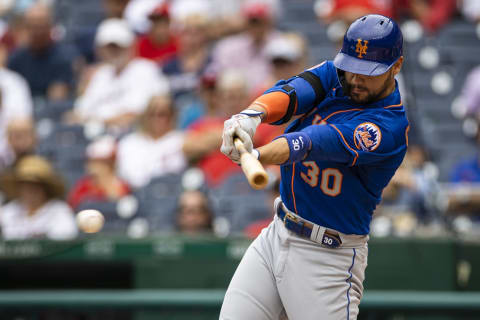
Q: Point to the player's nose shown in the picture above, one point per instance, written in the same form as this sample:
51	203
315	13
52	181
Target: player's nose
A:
357	79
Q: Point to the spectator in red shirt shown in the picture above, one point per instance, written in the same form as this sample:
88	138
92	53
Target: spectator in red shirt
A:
431	14
158	44
101	183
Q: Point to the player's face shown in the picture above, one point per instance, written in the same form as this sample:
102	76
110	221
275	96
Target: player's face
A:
368	89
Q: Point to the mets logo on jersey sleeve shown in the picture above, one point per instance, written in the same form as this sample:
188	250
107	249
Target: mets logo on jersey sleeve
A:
367	136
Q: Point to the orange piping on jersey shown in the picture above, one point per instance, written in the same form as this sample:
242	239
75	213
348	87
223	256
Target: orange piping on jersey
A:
393	105
358	109
293	192
406	134
275	105
345	141
341	111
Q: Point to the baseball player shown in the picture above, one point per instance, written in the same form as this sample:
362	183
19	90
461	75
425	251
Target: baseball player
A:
347	136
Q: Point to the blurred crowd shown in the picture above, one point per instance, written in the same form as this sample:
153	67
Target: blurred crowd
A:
124	113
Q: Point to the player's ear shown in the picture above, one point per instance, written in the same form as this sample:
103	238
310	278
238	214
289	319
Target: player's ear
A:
397	66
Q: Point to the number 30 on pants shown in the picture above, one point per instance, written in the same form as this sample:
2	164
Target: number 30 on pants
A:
330	182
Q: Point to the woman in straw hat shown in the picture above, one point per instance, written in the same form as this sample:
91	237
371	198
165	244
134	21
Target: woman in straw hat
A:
37	210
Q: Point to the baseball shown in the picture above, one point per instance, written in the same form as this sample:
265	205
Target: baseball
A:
90	221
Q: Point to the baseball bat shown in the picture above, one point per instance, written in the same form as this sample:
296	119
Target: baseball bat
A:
252	168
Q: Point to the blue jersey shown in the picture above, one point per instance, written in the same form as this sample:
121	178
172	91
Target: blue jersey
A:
356	150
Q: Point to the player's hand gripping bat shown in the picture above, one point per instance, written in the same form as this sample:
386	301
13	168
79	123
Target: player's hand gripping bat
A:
252	168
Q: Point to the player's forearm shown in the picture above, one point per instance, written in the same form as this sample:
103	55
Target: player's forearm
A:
275	152
286	149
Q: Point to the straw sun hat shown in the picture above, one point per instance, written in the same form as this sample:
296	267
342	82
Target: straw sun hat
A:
35	169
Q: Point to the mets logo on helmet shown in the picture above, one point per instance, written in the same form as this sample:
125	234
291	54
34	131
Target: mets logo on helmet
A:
367	136
361	49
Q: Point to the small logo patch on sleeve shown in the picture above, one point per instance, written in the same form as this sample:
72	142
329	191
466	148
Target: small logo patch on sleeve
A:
367	136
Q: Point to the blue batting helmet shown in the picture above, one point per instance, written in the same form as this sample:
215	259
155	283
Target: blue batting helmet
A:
371	45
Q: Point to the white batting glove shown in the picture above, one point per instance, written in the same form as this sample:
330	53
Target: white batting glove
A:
243	126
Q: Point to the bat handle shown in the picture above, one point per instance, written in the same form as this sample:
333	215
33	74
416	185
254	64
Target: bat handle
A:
239	145
252	168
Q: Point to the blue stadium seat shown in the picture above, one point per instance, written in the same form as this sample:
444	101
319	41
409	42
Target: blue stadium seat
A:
159	212
53	110
248	213
235	184
457	33
158	201
242	210
64	142
236	201
65	148
161	187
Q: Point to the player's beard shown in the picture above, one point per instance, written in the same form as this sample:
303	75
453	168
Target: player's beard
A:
372	96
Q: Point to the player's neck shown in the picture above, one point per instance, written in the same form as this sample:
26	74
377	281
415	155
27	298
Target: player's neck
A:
388	90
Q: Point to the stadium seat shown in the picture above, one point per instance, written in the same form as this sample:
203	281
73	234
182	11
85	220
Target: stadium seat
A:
53	110
158	201
241	210
159	212
64	143
162	187
457	33
65	148
235	184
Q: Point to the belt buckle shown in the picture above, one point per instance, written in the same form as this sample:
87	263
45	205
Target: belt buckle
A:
290	217
293	224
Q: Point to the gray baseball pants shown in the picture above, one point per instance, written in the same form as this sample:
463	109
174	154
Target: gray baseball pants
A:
284	275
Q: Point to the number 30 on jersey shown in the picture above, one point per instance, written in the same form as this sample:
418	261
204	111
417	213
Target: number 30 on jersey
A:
330	180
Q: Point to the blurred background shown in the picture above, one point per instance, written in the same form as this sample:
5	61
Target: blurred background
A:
118	106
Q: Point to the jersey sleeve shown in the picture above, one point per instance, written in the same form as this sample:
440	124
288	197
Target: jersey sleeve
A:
307	95
297	95
358	142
